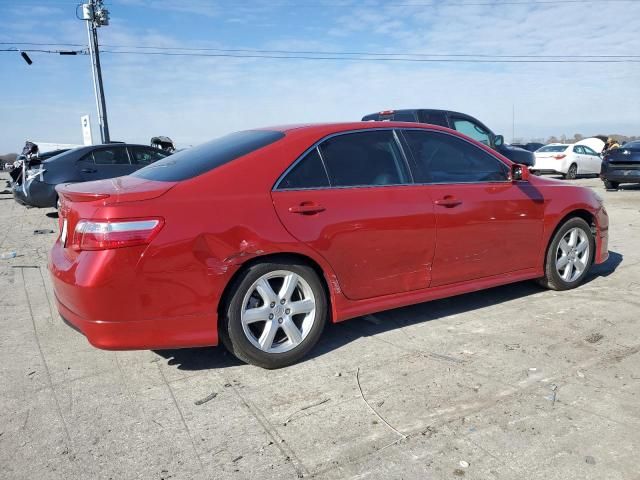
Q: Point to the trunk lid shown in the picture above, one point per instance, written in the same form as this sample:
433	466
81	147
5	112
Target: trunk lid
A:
624	155
114	190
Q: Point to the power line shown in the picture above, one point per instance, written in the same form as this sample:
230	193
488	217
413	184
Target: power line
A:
323	52
369	59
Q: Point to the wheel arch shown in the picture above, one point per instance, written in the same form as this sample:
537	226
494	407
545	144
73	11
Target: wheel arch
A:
582	213
274	257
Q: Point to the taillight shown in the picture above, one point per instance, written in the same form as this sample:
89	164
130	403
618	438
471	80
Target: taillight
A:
108	234
560	156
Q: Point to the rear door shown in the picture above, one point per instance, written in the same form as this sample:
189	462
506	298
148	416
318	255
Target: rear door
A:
486	224
105	162
351	199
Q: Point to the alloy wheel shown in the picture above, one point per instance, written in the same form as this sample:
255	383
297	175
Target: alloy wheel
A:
572	255
278	311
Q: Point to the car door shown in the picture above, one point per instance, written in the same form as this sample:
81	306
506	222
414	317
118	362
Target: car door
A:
593	159
105	162
350	198
486	224
579	159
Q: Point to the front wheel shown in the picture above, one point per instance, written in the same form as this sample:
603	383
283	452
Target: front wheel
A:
276	314
611	185
569	255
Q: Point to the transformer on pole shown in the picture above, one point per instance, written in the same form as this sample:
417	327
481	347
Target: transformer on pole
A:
97	16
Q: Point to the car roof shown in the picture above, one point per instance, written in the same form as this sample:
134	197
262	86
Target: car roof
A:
346	126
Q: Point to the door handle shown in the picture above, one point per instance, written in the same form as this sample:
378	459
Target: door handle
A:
88	170
307	209
448	202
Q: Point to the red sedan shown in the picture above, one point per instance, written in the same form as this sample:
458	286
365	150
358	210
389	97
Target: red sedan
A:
261	237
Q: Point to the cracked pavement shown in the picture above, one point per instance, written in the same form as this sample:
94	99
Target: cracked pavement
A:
514	382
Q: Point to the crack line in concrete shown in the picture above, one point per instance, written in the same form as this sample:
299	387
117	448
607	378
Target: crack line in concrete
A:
184	422
373	409
278	441
46	365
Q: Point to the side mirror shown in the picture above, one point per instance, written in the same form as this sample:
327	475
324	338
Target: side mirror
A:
519	173
498	140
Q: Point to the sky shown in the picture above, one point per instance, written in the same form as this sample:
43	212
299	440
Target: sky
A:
193	99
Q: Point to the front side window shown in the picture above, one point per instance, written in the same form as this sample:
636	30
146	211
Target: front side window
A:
443	158
111	156
589	150
145	155
366	158
473	130
307	173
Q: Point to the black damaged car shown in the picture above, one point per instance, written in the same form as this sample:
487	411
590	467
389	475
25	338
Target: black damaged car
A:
36	187
621	165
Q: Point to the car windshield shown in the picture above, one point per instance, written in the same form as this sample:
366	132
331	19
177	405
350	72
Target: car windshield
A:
634	144
203	158
553	148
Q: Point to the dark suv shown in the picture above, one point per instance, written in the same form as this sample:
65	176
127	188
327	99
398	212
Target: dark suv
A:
463	123
621	165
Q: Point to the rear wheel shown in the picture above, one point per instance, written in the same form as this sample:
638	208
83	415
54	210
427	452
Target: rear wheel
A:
569	255
572	173
275	315
611	185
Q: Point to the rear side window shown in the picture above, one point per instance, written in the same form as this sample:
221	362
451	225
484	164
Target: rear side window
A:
307	173
363	159
443	158
111	156
146	155
405	117
552	148
203	158
435	118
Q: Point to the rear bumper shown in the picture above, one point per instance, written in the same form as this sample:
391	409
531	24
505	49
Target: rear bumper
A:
621	175
119	307
38	194
145	334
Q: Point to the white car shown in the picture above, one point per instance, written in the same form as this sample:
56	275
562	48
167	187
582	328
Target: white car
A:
568	160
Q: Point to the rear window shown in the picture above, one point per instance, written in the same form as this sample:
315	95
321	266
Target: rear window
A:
203	158
553	148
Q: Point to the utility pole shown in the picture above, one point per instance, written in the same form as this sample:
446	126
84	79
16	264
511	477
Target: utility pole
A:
97	16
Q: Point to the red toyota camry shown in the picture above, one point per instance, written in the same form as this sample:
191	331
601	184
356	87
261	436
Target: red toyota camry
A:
261	237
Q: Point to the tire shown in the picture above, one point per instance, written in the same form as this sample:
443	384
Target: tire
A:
572	173
267	336
574	254
611	185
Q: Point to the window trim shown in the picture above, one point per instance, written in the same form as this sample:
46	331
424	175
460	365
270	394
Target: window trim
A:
414	165
316	145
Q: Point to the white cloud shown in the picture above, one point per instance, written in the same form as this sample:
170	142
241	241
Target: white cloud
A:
194	99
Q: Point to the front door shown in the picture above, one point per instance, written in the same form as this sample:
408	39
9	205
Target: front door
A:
486	224
350	199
